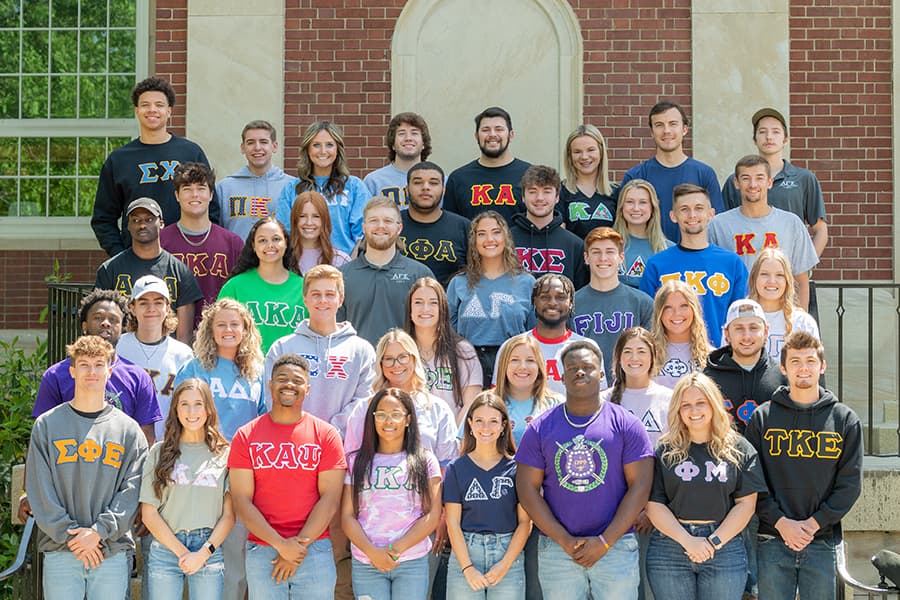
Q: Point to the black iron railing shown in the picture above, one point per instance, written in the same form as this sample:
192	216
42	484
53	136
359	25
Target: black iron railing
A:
63	327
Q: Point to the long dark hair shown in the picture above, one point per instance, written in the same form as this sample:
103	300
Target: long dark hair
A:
618	372
505	443
416	461
248	259
446	343
340	173
170	449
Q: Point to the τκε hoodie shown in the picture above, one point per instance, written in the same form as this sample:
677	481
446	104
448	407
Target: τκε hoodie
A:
549	249
743	390
812	459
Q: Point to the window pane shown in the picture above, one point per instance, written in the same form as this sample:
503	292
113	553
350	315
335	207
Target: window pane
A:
122	13
33	198
93	51
93	97
62	156
9	51
34	53
91	154
65	52
113	143
8	198
119	96
62	197
87	191
121	52
34	156
9	16
37	13
34	98
65	13
9	98
93	14
9	150
63	96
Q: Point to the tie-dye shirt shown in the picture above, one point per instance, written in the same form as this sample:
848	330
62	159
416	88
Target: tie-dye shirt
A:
387	508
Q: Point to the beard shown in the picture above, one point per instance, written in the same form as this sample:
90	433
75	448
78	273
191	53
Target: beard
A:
381	243
494	153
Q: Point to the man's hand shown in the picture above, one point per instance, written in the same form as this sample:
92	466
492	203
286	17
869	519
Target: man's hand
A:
590	552
24	510
440	536
84	539
571	545
283	569
796	534
91	559
293	549
642	524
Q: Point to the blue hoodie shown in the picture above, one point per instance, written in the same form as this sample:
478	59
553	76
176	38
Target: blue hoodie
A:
245	198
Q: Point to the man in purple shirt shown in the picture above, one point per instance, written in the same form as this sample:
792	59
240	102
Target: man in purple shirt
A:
582	453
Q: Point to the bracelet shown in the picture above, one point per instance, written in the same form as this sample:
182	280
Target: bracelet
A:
391	549
469	566
603	539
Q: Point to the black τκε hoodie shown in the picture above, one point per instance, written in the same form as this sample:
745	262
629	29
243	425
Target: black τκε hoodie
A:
743	390
811	455
549	249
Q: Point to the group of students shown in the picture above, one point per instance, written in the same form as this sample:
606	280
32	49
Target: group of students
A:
376	368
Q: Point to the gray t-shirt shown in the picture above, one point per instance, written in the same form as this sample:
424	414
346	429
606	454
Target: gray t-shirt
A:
794	189
388	181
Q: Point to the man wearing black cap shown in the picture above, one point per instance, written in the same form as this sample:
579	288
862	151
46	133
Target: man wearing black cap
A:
146	257
794	189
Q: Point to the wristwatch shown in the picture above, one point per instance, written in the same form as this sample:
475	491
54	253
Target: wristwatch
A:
211	548
715	541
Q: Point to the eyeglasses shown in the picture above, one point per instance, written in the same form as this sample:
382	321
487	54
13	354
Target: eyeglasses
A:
390	361
396	416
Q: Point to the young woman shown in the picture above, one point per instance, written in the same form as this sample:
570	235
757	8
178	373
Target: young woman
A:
487	530
264	281
586	196
183	499
323	169
704	492
311	241
391	502
638	222
679	331
772	285
491	301
452	370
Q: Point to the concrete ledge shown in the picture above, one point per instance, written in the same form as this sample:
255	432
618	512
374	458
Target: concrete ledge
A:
877	508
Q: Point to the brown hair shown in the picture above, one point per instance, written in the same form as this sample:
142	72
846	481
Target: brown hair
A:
505	443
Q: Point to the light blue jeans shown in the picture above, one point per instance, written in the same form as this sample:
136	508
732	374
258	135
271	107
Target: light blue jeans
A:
166	579
313	580
407	581
808	574
616	575
485	551
66	578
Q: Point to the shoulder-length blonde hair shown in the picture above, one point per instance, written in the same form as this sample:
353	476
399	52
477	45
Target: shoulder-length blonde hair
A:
601	181
723	439
541	396
788	304
700	346
249	357
655	235
474	269
318	202
406	342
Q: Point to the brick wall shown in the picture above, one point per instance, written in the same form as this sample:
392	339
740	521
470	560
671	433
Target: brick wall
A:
840	53
170	56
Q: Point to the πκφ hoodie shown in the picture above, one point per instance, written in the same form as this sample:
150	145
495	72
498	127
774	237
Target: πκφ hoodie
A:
549	249
811	455
743	390
341	370
245	198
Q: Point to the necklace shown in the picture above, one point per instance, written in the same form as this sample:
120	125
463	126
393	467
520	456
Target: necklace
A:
194	244
583	425
156	346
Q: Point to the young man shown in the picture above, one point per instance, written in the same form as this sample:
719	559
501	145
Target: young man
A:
286	476
434	237
83	480
148	344
606	307
491	182
794	188
552	297
742	369
670	166
247	196
408	142
543	244
585	453
717	275
144	167
341	364
378	281
755	225
810	448
146	257
209	251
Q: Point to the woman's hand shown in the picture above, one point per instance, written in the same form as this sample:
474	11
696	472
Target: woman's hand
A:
476	579
698	549
382	559
192	562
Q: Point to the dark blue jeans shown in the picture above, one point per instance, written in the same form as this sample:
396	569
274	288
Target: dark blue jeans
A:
673	576
784	573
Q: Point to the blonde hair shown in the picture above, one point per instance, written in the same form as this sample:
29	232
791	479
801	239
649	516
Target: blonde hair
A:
788	305
542	397
249	357
700	346
655	235
601	181
408	344
723	439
